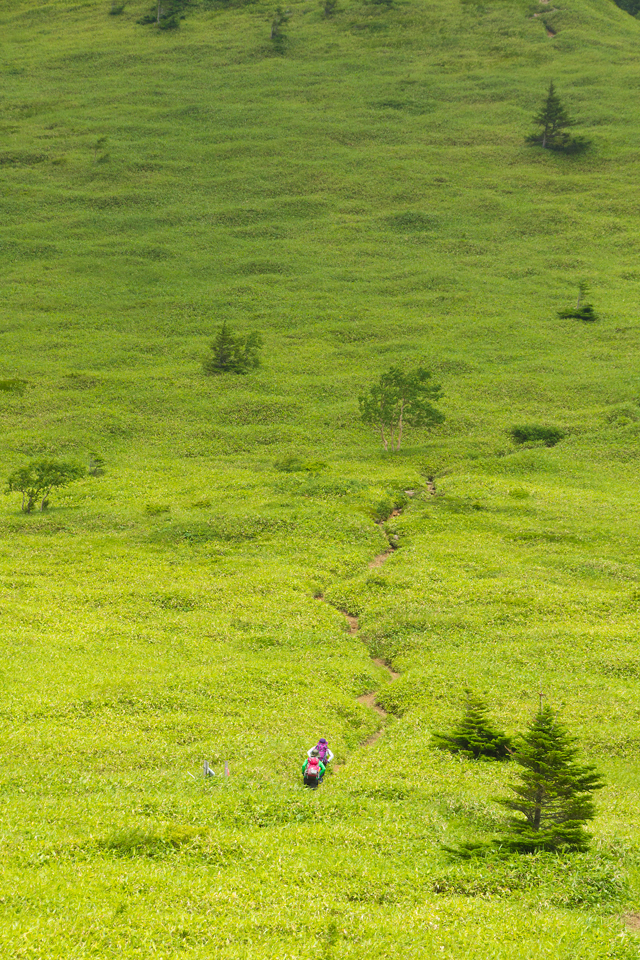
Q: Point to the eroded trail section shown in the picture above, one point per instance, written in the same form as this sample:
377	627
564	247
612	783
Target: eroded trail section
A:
354	625
380	559
370	700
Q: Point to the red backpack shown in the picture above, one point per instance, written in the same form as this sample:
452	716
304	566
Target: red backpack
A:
313	769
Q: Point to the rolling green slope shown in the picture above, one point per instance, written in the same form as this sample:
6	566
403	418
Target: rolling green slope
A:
362	195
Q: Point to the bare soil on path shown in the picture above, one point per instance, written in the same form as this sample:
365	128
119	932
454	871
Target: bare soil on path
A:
370	699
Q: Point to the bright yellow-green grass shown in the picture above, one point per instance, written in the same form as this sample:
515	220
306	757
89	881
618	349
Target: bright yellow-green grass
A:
361	194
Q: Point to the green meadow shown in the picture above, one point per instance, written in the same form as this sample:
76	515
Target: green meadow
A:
361	194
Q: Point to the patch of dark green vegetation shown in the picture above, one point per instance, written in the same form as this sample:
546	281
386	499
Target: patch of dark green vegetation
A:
475	735
537	433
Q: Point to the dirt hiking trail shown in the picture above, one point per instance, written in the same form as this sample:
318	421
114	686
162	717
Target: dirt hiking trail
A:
370	699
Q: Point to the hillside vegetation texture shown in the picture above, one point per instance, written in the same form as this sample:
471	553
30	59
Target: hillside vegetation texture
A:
359	192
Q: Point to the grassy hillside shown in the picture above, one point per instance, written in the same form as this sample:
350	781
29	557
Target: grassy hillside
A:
362	195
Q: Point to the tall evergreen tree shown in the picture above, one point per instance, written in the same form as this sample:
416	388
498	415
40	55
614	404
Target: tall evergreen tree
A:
475	736
553	798
553	119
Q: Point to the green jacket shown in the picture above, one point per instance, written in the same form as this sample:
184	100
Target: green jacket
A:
320	764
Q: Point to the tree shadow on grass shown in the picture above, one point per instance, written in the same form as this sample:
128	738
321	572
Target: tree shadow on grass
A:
573	148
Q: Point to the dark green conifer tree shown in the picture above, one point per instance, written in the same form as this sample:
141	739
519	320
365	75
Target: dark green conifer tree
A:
475	736
553	119
233	354
553	798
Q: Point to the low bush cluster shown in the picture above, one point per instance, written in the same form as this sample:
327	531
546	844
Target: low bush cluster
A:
537	433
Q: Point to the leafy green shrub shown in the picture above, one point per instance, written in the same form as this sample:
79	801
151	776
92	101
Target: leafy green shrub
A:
583	880
630	6
475	736
170	22
166	15
382	509
537	433
294	464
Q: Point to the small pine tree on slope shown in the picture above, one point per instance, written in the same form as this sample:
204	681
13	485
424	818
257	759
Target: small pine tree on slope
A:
233	354
475	736
553	798
553	119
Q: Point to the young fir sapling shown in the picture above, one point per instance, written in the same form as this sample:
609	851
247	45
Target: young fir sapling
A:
553	120
581	311
475	736
280	17
232	353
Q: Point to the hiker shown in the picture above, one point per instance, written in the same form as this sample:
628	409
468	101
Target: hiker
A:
313	769
324	753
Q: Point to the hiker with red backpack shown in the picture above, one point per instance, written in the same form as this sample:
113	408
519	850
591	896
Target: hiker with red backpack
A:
313	769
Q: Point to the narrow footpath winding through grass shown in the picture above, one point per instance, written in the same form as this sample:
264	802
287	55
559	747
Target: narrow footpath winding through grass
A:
370	699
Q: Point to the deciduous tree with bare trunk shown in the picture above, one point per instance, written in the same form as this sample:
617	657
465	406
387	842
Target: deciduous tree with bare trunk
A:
36	481
401	398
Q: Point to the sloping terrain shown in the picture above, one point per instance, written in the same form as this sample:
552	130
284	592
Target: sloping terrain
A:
361	194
